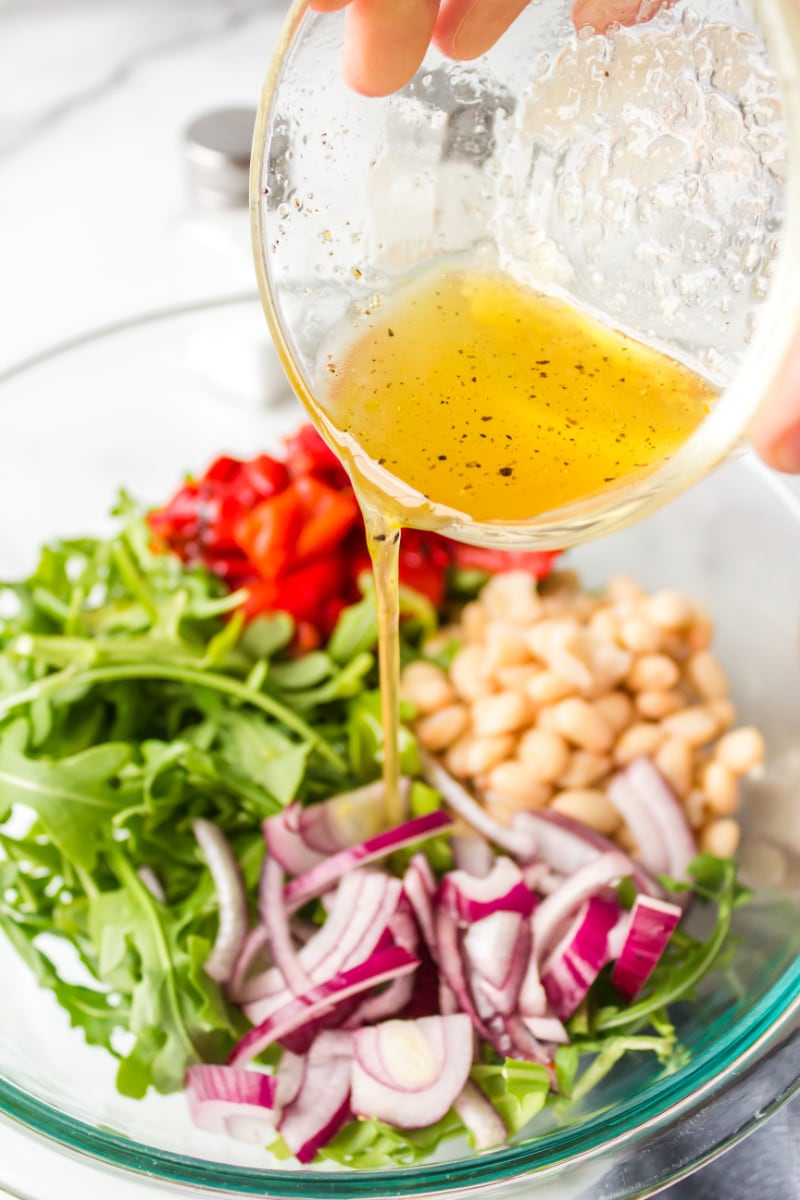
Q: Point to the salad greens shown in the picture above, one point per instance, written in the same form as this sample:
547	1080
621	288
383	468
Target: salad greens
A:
128	707
134	699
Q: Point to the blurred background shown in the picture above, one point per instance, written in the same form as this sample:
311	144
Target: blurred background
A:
121	193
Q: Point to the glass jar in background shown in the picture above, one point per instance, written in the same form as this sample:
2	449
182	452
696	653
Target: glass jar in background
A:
213	257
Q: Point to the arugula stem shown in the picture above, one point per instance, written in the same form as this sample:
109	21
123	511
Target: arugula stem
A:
131	881
212	680
132	578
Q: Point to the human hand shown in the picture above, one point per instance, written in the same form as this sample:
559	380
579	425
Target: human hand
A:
385	43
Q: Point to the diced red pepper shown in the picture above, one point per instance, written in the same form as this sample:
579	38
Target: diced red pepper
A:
223	470
538	563
307	454
266	476
300	592
268	534
329	515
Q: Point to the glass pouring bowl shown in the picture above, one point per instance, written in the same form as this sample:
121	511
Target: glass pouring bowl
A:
651	178
731	543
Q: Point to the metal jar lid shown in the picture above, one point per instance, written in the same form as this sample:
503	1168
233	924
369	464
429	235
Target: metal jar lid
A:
217	146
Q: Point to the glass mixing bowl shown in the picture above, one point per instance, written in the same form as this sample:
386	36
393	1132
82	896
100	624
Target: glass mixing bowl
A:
137	407
652	179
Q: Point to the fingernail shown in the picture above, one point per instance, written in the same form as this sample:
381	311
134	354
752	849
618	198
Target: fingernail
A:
785	453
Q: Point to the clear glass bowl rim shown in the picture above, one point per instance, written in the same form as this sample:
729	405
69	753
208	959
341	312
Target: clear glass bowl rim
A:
671	1101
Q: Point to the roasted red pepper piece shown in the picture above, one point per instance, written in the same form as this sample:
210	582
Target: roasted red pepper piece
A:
483	558
329	515
301	592
268	534
307	454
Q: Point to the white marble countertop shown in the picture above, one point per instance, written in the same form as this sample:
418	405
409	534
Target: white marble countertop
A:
95	228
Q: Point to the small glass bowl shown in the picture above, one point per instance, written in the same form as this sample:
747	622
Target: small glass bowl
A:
141	404
652	178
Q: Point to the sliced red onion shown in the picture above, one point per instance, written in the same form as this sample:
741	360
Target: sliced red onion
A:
419	886
472	854
349	818
288	1078
580	956
524	1044
394	998
547	1029
276	923
481	1118
502	890
452	970
497	950
253	947
364	903
540	878
381	967
655	818
219	1097
593	878
532	1001
518	843
409	1073
152	883
231	900
306	887
618	935
322	1104
651	926
286	844
566	845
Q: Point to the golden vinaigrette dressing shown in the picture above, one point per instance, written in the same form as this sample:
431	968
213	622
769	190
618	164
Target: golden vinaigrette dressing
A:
495	402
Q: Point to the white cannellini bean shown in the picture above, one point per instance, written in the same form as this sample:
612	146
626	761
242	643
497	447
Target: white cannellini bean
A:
589	806
695	808
642	739
669	609
512	597
654	706
653	673
618	710
519	780
544	754
480	754
474	619
604	625
720	837
546	687
467	673
439	730
675	761
624	588
426	687
721	788
544	635
741	750
585	769
723	711
695	725
516	679
580	723
503	713
706	673
505	647
639	635
504	806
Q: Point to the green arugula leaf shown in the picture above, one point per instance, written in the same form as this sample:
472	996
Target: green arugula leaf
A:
518	1090
72	796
